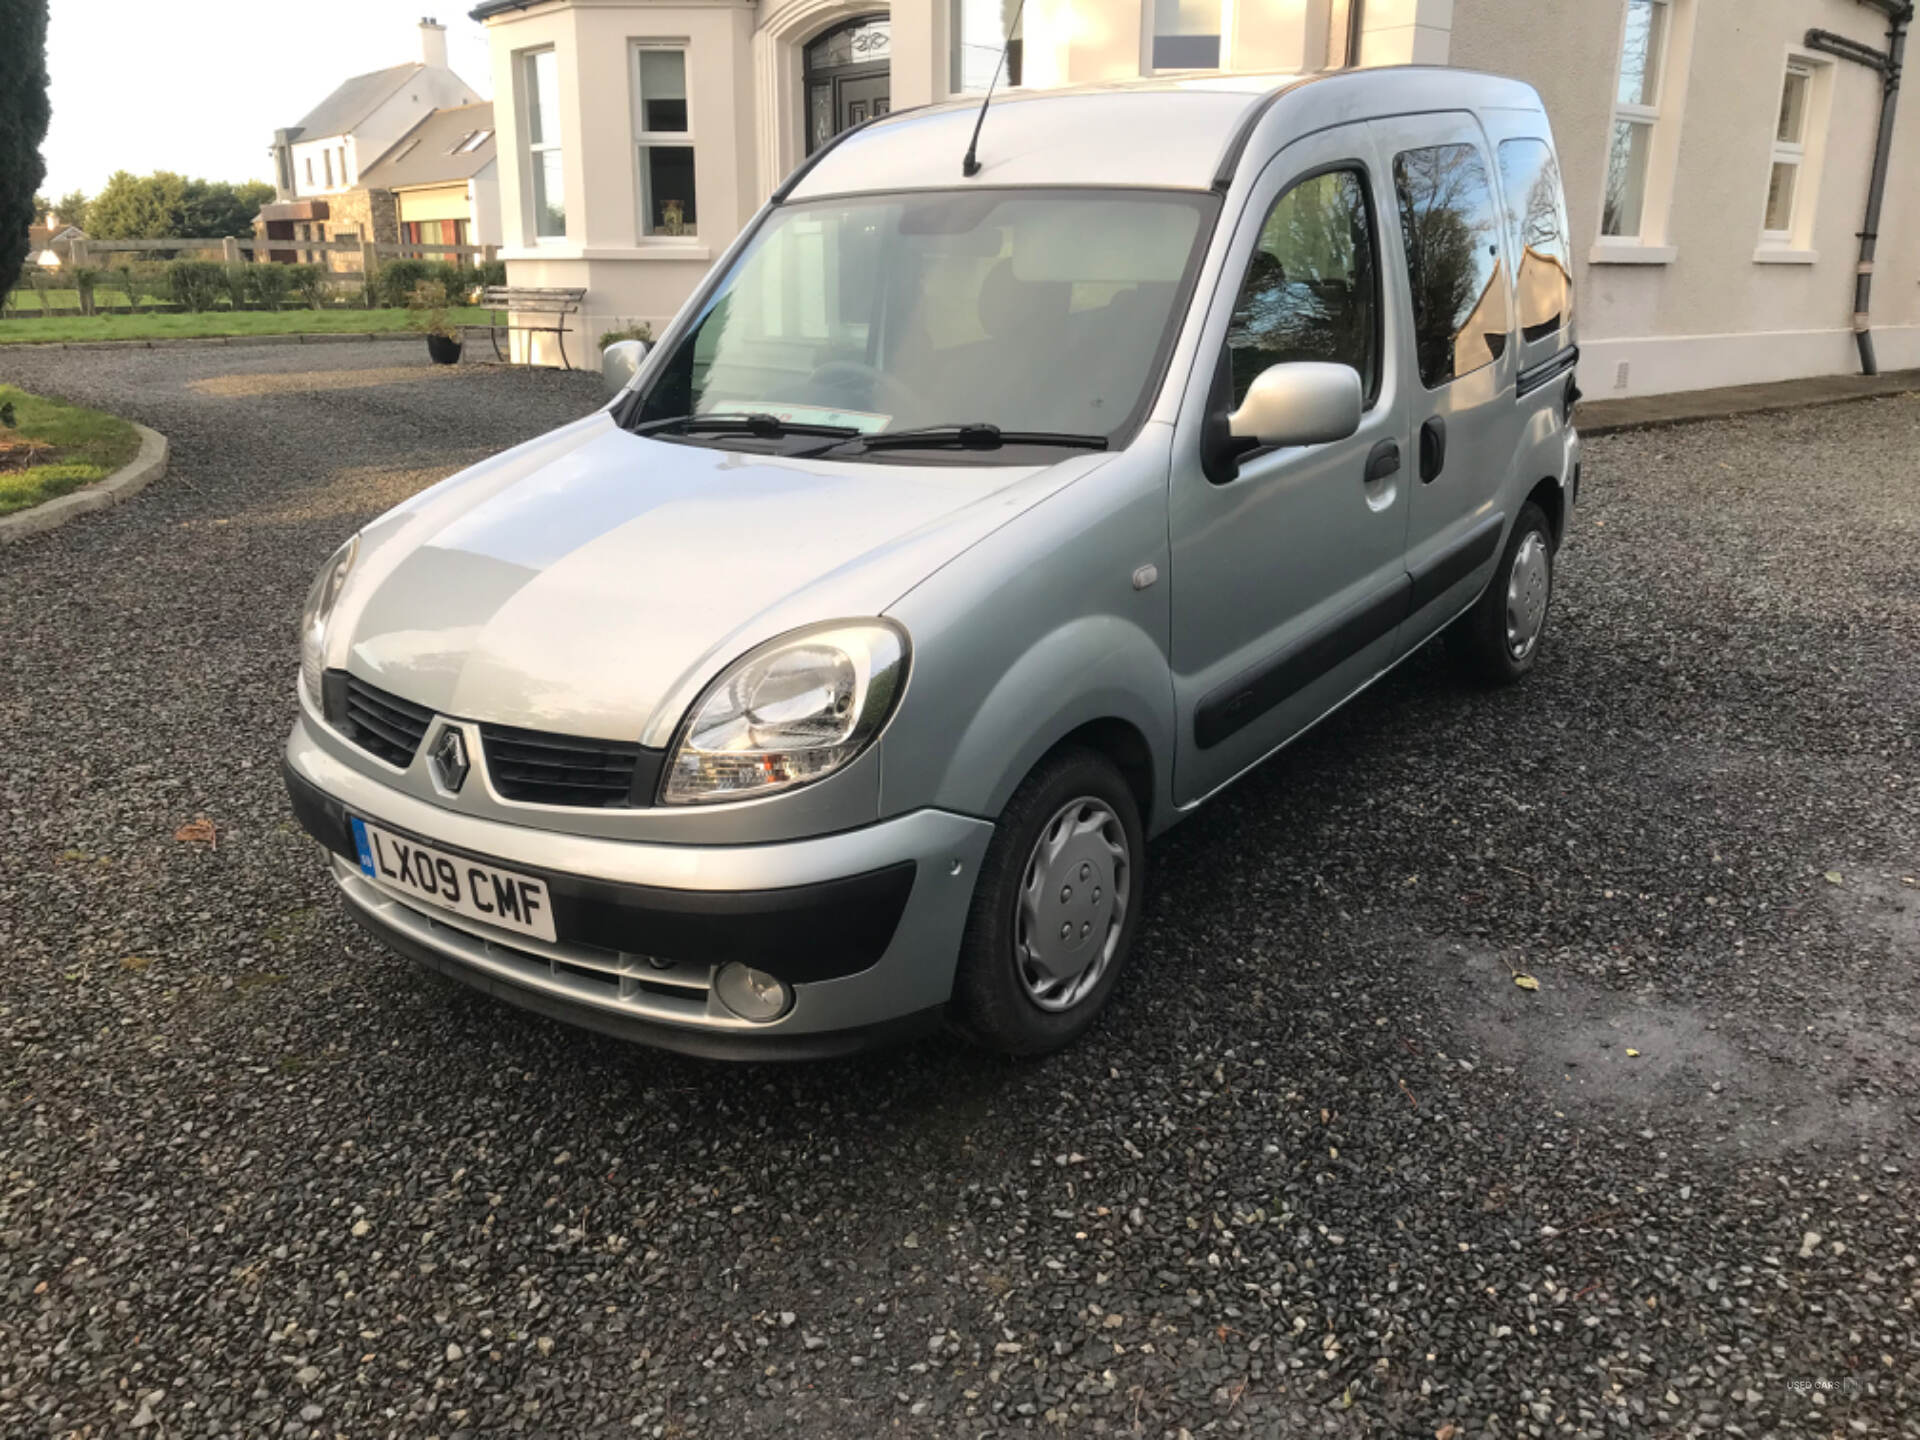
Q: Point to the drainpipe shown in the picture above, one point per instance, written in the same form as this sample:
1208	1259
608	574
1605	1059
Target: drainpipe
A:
1899	15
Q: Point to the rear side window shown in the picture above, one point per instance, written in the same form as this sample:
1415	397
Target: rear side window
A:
1311	291
1451	225
1537	237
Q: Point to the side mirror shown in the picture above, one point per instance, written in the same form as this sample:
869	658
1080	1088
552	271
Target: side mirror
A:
1304	402
620	362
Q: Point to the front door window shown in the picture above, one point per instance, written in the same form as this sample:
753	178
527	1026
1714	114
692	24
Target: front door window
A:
1310	291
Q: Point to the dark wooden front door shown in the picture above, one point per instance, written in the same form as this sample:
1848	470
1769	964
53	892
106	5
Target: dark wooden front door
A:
846	78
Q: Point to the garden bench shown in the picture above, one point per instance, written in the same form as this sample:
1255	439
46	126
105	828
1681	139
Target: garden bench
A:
530	300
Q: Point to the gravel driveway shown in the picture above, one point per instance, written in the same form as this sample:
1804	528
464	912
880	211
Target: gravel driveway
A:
1325	1169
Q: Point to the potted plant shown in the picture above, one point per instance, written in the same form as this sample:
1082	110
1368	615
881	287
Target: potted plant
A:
641	330
428	302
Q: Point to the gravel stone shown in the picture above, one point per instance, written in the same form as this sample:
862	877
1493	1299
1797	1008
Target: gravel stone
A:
1286	1208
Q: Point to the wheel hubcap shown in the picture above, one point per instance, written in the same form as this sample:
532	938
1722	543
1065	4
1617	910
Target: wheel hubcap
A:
1073	904
1528	585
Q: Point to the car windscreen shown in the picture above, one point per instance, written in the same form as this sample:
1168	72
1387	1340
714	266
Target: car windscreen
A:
1033	311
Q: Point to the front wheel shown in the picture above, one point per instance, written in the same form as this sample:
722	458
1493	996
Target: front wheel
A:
1055	909
1499	638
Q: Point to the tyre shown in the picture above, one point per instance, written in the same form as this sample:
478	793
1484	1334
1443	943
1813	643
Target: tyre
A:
1055	909
1499	638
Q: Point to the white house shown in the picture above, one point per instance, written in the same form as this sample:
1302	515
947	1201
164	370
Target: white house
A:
318	164
1716	159
360	121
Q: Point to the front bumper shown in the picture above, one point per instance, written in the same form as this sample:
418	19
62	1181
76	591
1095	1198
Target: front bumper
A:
865	924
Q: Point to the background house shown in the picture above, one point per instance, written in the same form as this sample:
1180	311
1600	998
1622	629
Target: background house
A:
49	245
443	179
318	164
1716	168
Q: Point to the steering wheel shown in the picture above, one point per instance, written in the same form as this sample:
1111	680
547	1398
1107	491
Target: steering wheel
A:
858	386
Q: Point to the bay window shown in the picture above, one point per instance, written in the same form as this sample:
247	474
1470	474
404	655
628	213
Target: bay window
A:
663	140
979	32
1187	35
540	90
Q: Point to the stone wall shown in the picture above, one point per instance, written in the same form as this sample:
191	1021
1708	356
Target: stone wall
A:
349	215
368	214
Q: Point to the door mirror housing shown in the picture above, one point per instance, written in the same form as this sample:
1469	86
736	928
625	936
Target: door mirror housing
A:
620	362
1303	402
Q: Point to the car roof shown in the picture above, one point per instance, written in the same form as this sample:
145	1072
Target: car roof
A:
1181	132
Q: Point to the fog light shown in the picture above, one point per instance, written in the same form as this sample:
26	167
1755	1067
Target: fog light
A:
752	994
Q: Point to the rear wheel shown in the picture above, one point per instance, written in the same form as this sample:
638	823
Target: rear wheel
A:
1055	908
1499	638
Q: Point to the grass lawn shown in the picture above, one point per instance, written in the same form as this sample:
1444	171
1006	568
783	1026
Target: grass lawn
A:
25	329
26	300
80	447
58	299
107	296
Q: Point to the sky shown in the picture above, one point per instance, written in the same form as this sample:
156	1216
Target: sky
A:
199	86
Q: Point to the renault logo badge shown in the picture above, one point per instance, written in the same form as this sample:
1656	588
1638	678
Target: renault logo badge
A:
448	762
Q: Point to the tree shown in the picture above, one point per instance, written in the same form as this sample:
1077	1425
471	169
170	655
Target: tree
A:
41	205
137	207
163	205
24	112
72	208
213	209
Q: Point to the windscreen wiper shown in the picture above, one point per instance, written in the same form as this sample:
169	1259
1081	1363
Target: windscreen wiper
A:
756	423
973	435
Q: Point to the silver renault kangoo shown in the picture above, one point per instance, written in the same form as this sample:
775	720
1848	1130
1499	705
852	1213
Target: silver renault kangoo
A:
970	526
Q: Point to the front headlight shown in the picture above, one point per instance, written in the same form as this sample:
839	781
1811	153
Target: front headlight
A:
327	586
793	711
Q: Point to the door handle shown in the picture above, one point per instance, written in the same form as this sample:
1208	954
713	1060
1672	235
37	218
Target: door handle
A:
1383	460
1433	448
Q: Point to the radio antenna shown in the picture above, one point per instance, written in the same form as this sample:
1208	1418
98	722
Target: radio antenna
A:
969	166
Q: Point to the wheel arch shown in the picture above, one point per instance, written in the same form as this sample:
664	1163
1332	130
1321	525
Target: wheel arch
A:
1126	746
1551	497
1098	681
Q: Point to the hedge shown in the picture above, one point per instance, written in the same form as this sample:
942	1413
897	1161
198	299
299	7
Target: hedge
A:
197	285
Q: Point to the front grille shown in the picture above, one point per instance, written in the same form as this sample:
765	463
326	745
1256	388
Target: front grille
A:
383	724
562	769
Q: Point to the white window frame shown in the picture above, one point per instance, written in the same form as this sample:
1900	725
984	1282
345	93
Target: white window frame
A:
956	47
645	139
531	150
1640	115
1662	120
1794	245
1147	66
326	160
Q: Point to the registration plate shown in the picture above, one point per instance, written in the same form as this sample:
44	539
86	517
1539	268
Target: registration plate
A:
468	887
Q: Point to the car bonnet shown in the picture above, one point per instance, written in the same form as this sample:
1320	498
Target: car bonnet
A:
579	584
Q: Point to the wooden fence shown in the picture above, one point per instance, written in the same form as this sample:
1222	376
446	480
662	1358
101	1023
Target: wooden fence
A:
363	257
236	251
